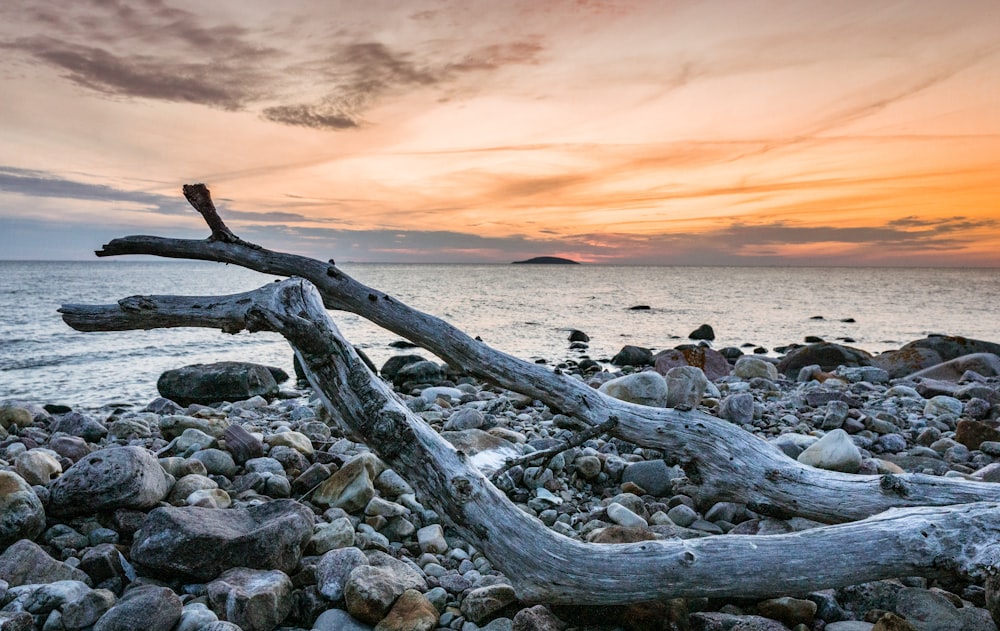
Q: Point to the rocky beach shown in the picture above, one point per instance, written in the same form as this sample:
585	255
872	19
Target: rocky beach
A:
257	513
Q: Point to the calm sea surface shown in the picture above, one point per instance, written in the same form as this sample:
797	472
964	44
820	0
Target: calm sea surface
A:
524	310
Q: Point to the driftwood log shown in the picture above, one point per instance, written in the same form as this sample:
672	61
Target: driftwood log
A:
721	461
545	566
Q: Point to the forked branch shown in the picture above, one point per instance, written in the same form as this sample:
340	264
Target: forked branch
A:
545	566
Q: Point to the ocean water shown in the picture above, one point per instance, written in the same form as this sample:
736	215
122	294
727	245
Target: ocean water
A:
524	310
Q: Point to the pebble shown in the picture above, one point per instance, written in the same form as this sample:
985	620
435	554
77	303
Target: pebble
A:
358	522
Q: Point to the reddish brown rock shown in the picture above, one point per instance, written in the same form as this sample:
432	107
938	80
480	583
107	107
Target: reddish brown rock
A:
974	433
712	362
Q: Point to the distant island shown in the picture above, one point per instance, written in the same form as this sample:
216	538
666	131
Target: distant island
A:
546	260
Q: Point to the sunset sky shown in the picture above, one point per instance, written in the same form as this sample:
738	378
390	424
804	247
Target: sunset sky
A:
739	132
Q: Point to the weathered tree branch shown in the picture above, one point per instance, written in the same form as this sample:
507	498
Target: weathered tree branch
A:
545	456
722	462
545	566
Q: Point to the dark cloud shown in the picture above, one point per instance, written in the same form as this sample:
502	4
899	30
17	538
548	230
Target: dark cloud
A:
141	75
33	183
318	116
361	74
150	51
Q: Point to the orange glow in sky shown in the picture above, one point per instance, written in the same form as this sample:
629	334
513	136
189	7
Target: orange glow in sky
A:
659	132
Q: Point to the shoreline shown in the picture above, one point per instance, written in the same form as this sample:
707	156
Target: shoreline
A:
339	504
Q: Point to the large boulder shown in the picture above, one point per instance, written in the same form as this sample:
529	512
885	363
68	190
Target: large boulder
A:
22	515
396	363
712	362
986	364
116	477
904	361
221	381
951	346
644	388
204	542
826	355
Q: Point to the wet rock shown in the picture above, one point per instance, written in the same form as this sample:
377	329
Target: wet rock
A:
256	600
411	612
643	388
686	387
203	542
833	452
633	356
147	607
22	515
826	354
26	563
115	477
703	332
712	362
578	336
484	602
220	381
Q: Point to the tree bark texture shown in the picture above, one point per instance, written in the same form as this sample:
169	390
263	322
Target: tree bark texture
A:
545	566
